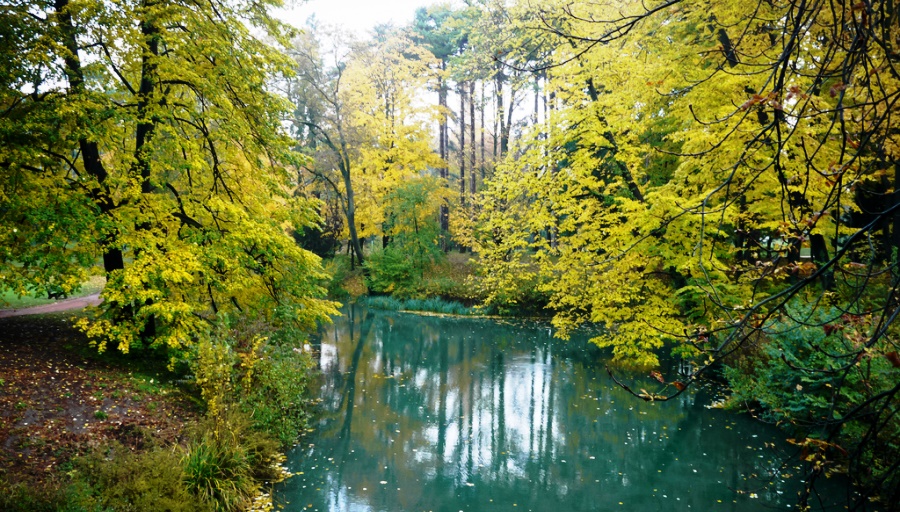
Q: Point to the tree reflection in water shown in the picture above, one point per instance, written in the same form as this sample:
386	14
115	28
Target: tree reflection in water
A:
425	413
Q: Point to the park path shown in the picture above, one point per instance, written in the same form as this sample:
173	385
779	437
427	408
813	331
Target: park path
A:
56	307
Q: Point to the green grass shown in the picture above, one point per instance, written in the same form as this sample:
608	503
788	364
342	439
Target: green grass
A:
9	299
383	302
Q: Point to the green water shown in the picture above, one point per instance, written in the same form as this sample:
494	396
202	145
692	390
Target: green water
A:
424	413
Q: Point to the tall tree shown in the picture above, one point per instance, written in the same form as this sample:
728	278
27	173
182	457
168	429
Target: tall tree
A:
321	114
361	112
434	30
462	143
114	146
472	162
385	77
722	199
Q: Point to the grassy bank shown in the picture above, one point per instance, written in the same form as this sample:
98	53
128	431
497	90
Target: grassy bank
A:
87	432
447	286
429	305
447	278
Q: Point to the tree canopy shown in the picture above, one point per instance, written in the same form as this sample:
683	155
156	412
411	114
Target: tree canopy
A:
143	134
717	176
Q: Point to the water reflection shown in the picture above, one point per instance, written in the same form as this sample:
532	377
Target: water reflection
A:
436	414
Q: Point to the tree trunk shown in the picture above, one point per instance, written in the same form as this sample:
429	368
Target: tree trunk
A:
482	107
462	150
351	225
90	153
146	126
501	117
494	155
350	212
444	171
146	122
472	140
462	144
507	127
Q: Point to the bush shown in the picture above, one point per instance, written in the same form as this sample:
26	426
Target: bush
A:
217	472
23	498
814	374
390	271
124	481
344	280
259	370
276	399
227	460
221	469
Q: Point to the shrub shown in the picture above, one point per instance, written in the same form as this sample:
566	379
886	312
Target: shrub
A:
389	271
276	397
342	283
815	374
121	480
19	497
226	460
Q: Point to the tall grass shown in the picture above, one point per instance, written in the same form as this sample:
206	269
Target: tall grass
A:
383	302
217	471
226	460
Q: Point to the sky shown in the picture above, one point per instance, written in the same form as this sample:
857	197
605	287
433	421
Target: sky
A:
357	16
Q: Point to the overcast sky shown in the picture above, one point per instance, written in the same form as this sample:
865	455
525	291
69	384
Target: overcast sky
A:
357	16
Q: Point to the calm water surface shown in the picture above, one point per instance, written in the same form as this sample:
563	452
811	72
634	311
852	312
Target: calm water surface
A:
424	413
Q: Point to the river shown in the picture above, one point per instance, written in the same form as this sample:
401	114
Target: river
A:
445	414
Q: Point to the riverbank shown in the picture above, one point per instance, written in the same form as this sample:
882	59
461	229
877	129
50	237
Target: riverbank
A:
85	431
60	401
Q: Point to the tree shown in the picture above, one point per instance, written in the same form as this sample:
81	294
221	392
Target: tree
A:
413	227
722	167
154	144
385	78
434	30
364	123
320	116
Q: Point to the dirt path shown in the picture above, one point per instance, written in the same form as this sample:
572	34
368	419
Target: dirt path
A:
56	307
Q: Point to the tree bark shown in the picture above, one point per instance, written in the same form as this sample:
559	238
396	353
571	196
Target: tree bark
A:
146	120
501	117
482	107
462	144
146	126
90	153
472	140
444	171
494	138
351	217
